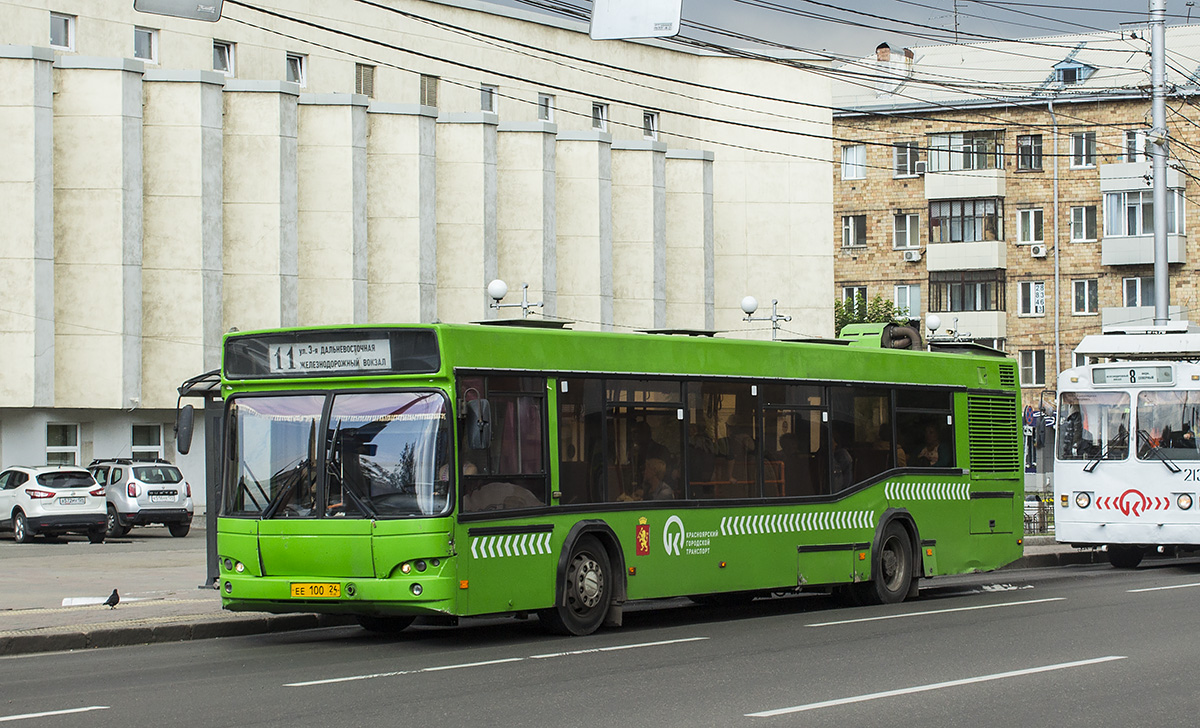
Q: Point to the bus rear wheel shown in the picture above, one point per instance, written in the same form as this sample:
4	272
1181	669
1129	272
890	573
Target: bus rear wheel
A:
384	625
587	591
1125	557
892	579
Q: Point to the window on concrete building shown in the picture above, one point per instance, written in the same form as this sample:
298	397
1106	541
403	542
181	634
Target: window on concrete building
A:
599	116
906	231
966	221
905	156
1137	291
1029	225
966	150
1033	367
364	79
1029	151
854	161
429	90
1083	149
1135	146
854	230
145	44
1083	223
297	69
1086	299
223	57
147	442
62	31
966	290
545	107
907	297
855	296
488	98
650	125
62	444
1033	298
1132	213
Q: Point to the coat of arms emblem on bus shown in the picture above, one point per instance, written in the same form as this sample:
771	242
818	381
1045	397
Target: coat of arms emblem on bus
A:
673	535
642	538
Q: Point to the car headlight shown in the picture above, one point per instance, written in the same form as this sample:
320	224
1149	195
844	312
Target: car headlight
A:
1083	500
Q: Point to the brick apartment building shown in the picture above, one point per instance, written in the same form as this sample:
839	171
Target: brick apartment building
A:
1006	187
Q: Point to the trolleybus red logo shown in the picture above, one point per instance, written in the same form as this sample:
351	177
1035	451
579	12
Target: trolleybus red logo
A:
1133	501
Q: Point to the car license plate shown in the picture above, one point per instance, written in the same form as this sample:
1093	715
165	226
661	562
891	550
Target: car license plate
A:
161	498
72	501
317	591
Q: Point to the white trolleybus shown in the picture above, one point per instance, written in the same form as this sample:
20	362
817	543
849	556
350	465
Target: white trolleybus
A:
1127	466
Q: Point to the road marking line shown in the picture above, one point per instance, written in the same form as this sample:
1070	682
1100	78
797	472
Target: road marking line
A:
936	611
933	686
26	716
441	668
1161	588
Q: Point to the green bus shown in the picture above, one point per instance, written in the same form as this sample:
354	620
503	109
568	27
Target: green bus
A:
396	472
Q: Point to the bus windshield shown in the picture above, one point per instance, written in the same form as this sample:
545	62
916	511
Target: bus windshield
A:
1093	426
1167	425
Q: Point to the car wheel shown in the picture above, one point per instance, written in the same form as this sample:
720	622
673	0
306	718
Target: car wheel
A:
21	529
179	530
115	529
96	535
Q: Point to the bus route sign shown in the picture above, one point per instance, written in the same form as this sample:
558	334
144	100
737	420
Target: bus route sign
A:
333	356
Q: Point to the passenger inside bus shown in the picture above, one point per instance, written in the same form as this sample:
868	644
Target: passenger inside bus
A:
934	453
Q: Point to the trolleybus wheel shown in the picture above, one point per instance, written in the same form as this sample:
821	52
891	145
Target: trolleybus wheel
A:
893	576
384	625
1125	557
587	591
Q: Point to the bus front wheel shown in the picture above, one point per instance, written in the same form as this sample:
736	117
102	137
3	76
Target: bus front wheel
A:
1125	557
587	591
384	625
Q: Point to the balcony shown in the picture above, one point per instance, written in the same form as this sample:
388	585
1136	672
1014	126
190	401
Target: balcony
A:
976	324
962	184
1139	250
1124	176
986	255
1135	316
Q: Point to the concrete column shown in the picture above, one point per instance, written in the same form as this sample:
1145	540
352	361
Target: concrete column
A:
97	231
466	214
27	244
182	242
689	239
526	203
332	208
583	192
401	213
260	260
639	234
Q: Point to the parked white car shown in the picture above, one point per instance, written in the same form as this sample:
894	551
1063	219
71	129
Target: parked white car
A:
51	500
142	492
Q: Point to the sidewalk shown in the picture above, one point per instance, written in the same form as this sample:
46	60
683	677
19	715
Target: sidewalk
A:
159	580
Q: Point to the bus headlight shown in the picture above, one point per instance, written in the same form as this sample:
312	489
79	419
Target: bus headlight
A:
1184	501
1083	500
417	589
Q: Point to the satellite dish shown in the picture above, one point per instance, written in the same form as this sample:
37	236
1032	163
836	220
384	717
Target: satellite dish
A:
207	10
622	19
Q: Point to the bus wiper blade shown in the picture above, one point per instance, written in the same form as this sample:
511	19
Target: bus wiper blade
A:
1156	451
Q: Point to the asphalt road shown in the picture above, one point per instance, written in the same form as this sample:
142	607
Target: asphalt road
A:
1073	646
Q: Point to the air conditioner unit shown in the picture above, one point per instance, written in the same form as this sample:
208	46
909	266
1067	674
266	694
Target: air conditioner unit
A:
912	256
920	167
1038	251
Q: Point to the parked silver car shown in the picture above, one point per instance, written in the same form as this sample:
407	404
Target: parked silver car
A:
51	500
144	492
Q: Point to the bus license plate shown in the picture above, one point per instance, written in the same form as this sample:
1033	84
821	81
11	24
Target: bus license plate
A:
72	501
316	591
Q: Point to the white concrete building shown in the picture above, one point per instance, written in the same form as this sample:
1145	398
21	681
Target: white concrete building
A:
164	180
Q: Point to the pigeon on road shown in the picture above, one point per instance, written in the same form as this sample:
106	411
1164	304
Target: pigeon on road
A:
113	600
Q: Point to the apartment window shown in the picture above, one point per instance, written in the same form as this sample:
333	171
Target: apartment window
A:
966	221
854	230
1083	149
62	31
62	444
1083	223
599	116
297	68
1135	146
906	231
1029	151
147	442
966	290
1033	367
1033	298
364	79
545	107
650	124
1086	300
854	161
223	57
907	297
1138	291
145	44
487	98
1132	213
1029	225
429	90
966	150
855	296
905	157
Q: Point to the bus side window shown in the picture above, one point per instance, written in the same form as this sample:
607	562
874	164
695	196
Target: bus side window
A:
511	472
581	441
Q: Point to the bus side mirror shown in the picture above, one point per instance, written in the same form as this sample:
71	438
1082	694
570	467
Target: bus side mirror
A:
184	421
479	424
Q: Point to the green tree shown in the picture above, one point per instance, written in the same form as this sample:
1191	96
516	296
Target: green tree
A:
878	310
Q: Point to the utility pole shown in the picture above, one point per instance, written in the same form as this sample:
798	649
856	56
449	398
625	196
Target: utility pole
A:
1158	151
